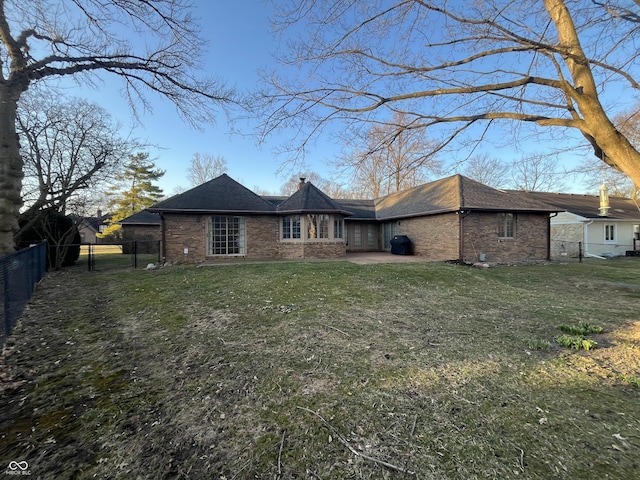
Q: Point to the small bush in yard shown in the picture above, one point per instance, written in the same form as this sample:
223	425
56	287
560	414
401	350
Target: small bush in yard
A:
635	381
538	344
576	342
583	328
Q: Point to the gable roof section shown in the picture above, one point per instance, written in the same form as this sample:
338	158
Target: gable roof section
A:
220	195
587	206
360	209
310	199
144	217
454	194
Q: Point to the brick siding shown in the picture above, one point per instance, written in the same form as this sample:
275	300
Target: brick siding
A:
435	237
480	236
262	240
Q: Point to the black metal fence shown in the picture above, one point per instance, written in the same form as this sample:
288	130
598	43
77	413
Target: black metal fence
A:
134	254
19	273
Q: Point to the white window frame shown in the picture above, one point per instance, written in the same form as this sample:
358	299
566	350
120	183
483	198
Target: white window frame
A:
610	233
226	237
338	227
314	227
507	226
288	229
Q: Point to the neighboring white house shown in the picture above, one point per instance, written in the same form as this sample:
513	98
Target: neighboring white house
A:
604	226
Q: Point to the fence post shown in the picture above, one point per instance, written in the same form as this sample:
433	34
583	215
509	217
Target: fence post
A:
6	298
580	252
135	254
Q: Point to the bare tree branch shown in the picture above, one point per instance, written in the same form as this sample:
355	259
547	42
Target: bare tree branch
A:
555	65
153	46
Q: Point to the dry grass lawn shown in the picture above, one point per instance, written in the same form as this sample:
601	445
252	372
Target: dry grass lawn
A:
326	370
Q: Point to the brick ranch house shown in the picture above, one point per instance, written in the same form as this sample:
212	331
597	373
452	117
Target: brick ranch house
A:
454	218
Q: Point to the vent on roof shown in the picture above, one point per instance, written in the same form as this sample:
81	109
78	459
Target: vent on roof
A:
604	201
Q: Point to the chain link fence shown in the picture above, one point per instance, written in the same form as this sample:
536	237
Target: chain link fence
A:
19	273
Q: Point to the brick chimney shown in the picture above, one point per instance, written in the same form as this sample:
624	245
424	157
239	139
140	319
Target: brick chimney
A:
303	180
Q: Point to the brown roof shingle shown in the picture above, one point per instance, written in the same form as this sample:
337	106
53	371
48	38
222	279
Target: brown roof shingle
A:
220	195
453	194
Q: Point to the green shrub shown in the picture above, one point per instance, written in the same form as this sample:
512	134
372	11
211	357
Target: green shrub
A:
576	342
583	328
538	344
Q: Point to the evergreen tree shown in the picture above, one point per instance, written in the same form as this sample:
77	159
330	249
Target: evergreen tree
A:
133	192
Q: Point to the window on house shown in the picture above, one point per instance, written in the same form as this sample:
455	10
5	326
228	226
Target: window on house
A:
317	226
609	233
323	226
291	227
390	231
371	236
357	236
338	226
227	236
506	225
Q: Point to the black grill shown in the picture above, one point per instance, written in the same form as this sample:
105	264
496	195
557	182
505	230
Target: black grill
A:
400	245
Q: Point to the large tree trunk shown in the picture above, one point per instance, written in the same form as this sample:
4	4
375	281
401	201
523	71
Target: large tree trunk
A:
10	171
609	144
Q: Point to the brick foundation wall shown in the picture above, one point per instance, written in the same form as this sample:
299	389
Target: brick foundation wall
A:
434	237
293	250
480	236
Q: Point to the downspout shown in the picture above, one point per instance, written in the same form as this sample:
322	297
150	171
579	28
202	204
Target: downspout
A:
549	236
163	235
462	215
585	236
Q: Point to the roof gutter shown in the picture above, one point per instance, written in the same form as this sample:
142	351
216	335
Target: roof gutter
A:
462	214
585	236
555	214
163	236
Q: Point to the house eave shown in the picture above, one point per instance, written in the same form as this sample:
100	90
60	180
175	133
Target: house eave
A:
199	211
308	212
464	209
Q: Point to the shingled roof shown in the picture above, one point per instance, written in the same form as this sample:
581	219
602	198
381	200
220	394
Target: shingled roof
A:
145	217
587	206
220	195
226	196
310	198
360	209
453	194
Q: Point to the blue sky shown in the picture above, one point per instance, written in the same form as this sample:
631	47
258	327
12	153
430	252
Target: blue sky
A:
240	43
